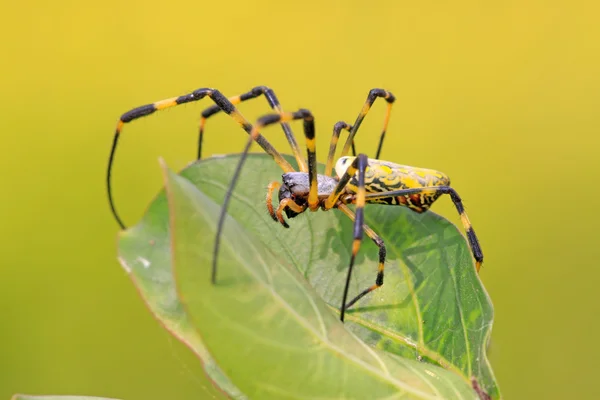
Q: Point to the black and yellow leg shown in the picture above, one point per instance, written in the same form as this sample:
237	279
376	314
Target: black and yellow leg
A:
337	129
333	198
309	132
359	222
433	191
373	95
273	103
382	253
221	101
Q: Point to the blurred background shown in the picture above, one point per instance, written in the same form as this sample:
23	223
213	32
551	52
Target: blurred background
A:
502	97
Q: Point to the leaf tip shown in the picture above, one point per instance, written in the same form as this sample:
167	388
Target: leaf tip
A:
166	173
162	163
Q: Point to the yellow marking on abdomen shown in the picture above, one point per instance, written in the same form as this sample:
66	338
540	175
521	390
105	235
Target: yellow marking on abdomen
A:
385	170
394	176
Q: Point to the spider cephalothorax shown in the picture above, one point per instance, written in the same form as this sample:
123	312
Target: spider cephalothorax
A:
296	186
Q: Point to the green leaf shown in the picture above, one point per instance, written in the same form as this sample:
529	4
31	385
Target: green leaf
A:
240	310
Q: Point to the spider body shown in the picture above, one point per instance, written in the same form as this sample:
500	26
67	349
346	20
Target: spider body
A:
380	177
358	180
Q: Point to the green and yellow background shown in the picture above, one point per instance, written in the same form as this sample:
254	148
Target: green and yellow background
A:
503	97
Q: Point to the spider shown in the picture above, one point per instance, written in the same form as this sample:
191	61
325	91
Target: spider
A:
358	180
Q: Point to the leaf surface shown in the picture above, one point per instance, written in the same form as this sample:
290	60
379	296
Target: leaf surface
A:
432	306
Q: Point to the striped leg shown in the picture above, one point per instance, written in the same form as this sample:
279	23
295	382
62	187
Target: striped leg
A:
221	101
361	163
275	105
382	253
373	95
337	129
269	119
432	192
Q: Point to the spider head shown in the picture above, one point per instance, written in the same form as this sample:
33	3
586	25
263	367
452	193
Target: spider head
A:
295	186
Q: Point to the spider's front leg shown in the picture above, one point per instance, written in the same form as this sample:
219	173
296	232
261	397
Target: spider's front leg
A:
221	103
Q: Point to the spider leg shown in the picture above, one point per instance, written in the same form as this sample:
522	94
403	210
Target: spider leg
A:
221	101
432	192
337	129
273	103
360	163
269	119
382	253
373	95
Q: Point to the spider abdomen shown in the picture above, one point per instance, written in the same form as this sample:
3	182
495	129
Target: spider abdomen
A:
384	176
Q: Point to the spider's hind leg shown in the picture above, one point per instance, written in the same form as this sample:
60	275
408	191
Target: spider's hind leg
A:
436	191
